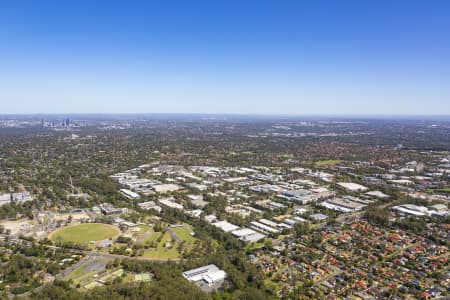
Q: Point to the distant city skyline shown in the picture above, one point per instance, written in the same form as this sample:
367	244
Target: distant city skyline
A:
218	57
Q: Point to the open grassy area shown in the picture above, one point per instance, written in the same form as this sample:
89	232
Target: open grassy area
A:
77	273
329	162
184	233
143	230
80	275
84	233
85	273
255	246
153	236
161	251
247	153
92	285
287	155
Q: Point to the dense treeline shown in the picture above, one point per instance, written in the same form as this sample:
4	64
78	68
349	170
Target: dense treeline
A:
25	265
168	284
170	288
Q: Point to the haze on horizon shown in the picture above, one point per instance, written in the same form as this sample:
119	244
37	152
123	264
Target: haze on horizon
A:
247	57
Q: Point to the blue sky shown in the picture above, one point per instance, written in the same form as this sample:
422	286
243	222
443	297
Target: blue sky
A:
249	57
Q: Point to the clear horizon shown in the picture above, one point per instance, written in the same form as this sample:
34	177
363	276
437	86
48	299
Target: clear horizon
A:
314	58
261	115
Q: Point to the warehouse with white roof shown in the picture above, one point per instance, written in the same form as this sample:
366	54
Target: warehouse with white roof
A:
226	226
209	274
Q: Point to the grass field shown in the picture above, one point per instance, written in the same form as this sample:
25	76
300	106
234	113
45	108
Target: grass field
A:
84	233
77	273
81	275
161	251
444	190
287	155
85	274
247	153
92	285
329	162
153	236
255	246
184	233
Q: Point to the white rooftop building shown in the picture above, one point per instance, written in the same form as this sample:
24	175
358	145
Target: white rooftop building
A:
253	238
353	187
150	205
170	202
318	217
402	182
243	232
377	194
165	188
439	207
268	223
263	227
210	274
248	235
411	209
210	218
5	199
214	277
130	194
226	226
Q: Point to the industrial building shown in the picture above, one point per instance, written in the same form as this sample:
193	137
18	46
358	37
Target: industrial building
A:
209	274
346	204
352	187
318	217
165	188
130	194
150	205
263	227
225	226
411	209
170	202
248	235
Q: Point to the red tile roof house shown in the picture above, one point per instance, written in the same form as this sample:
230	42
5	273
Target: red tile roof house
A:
425	295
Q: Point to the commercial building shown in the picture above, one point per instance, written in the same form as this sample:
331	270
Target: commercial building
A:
197	200
346	204
225	226
5	199
242	232
268	223
165	188
318	217
130	194
352	187
150	205
108	209
299	196
437	210
15	197
170	202
253	238
209	274
411	209
377	194
248	235
210	218
263	227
